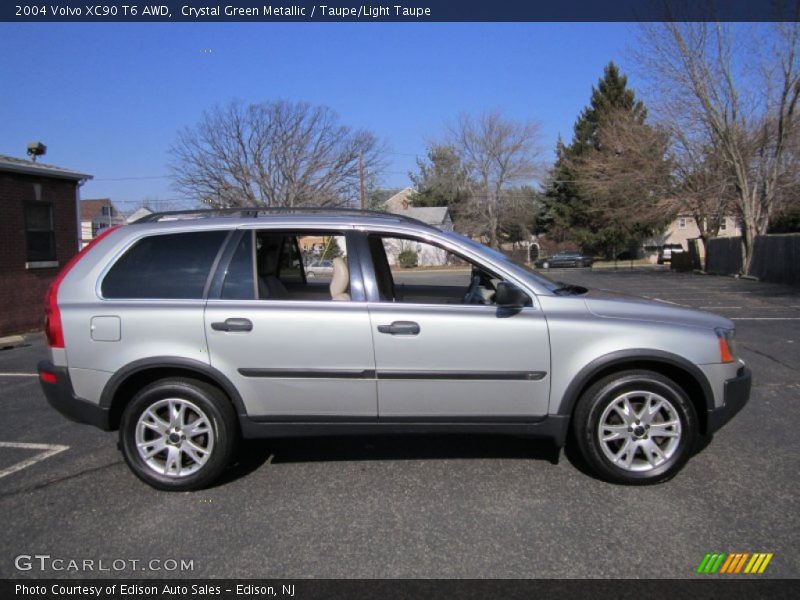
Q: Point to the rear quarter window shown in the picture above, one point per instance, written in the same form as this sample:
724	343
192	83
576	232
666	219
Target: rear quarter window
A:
168	266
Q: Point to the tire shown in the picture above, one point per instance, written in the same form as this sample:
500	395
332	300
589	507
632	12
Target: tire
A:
631	454
171	459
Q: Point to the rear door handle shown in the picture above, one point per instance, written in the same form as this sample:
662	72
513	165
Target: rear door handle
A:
233	324
400	328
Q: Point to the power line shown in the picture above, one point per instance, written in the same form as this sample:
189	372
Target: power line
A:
132	178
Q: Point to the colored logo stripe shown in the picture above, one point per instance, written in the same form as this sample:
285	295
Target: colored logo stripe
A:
737	562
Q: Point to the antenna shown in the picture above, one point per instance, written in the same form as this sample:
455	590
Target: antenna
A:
36	149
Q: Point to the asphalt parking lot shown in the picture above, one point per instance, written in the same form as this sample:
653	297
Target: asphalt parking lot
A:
437	506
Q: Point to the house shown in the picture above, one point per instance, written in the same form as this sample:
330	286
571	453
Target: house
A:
38	234
96	215
437	216
684	228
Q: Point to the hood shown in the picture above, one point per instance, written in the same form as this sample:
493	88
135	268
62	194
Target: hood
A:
612	305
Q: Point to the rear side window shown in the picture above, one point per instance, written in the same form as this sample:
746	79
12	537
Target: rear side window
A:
238	284
173	266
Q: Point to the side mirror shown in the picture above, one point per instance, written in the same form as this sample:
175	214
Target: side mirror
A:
510	296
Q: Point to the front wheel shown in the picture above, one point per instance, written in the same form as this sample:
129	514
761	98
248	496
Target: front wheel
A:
178	434
635	427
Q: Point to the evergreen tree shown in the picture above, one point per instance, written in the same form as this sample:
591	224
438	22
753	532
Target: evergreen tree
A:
567	213
442	180
331	249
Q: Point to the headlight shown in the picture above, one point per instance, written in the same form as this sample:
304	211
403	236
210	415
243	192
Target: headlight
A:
727	351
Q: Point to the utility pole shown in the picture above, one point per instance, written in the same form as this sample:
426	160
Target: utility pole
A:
361	194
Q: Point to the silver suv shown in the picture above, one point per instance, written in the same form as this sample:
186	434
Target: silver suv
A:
189	331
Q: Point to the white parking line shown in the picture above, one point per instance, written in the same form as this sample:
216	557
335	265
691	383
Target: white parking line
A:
765	318
720	307
19	374
48	450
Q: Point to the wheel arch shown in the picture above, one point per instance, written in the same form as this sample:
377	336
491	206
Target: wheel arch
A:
680	370
124	384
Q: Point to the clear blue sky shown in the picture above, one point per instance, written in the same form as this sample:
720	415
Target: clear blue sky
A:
107	99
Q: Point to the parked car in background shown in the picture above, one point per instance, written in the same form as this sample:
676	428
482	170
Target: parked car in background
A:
319	268
666	251
189	331
565	259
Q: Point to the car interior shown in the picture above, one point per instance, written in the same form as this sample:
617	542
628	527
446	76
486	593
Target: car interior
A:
440	277
457	281
281	260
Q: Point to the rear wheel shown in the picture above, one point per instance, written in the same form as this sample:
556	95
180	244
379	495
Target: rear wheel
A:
178	434
635	427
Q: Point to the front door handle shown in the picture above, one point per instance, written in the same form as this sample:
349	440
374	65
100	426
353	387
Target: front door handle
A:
400	328
233	324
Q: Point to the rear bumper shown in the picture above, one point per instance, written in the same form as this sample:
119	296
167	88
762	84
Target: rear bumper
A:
61	396
737	393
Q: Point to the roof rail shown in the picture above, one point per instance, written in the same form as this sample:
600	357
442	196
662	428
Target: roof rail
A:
255	212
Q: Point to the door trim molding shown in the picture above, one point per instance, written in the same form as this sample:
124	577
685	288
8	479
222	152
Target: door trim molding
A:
388	374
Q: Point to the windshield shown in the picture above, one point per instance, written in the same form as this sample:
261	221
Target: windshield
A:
505	260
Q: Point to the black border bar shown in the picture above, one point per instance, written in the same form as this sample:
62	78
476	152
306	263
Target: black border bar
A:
406	11
732	588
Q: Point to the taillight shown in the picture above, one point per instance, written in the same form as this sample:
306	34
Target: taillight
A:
52	315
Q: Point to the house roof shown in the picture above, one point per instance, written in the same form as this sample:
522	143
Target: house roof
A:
92	208
138	214
28	167
432	215
397	201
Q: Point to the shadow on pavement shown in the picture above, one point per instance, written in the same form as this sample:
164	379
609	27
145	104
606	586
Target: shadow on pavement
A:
254	453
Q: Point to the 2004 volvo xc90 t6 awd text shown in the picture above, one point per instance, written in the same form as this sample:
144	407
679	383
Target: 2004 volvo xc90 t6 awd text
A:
189	331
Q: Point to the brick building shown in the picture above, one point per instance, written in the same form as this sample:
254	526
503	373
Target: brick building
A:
39	233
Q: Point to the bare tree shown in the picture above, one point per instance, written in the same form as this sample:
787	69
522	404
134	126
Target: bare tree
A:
497	153
627	175
737	96
272	154
703	189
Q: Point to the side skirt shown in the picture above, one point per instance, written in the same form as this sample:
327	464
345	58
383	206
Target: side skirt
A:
552	427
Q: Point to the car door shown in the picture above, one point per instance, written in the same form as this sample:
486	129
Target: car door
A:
439	359
296	355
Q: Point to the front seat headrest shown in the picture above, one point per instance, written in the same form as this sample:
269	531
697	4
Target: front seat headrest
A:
340	281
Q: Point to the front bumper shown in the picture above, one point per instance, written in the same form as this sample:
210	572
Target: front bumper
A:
61	396
737	393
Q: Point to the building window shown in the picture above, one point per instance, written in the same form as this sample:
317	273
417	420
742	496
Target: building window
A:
107	211
682	223
723	224
39	234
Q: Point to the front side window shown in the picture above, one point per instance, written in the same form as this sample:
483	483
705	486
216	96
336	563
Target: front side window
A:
413	271
170	266
40	236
